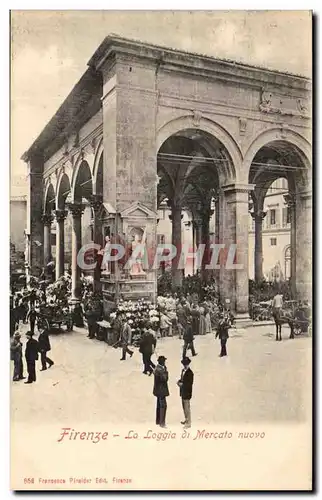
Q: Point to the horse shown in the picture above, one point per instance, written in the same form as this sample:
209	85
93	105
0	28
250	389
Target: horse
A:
283	317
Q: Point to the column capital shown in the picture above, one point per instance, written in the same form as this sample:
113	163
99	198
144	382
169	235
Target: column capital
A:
170	216
290	200
47	219
96	201
61	215
238	188
76	209
258	216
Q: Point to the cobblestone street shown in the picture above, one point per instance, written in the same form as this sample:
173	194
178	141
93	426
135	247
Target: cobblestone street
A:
260	380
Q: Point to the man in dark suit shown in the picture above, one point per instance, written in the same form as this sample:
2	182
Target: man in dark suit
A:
148	343
161	390
185	383
32	316
91	318
31	355
44	347
188	338
126	335
222	332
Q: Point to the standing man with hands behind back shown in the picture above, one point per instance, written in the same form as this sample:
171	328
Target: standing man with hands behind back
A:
185	383
161	390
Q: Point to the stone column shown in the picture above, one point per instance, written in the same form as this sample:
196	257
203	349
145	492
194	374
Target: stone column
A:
197	229
96	203
216	272
258	216
176	218
60	242
205	239
77	210
304	246
234	231
47	220
291	204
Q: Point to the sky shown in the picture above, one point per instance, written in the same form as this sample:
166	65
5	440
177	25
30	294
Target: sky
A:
50	51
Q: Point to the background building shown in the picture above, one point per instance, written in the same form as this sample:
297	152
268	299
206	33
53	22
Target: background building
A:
18	212
275	236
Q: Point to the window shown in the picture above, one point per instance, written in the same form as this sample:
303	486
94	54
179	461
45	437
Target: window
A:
286	216
160	239
273	242
272	217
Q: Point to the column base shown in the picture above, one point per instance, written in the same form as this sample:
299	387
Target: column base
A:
243	320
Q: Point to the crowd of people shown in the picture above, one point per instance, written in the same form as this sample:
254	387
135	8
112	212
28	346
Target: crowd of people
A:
33	348
184	316
187	322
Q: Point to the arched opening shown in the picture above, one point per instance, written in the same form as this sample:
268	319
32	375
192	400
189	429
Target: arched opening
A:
83	185
192	165
99	177
48	219
279	173
63	226
50	201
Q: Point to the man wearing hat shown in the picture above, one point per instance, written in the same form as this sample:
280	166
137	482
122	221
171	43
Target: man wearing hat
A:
16	357
125	338
188	338
44	346
222	332
161	390
31	354
147	346
185	383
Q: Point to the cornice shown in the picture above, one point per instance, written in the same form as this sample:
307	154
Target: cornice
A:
173	59
221	108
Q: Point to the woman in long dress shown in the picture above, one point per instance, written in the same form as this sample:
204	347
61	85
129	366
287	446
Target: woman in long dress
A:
195	319
207	319
202	321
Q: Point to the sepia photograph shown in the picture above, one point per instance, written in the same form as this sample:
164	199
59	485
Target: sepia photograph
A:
161	250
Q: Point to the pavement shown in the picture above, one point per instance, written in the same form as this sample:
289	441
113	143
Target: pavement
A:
260	380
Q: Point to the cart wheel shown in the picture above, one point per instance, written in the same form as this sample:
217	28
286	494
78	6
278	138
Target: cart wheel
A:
297	330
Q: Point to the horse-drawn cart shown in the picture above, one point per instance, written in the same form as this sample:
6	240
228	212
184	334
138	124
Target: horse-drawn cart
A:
293	314
54	316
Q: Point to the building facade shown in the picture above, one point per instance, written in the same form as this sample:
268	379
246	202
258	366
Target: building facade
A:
145	124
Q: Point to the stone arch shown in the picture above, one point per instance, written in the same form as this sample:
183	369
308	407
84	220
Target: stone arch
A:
63	189
211	128
49	198
82	182
98	159
288	136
